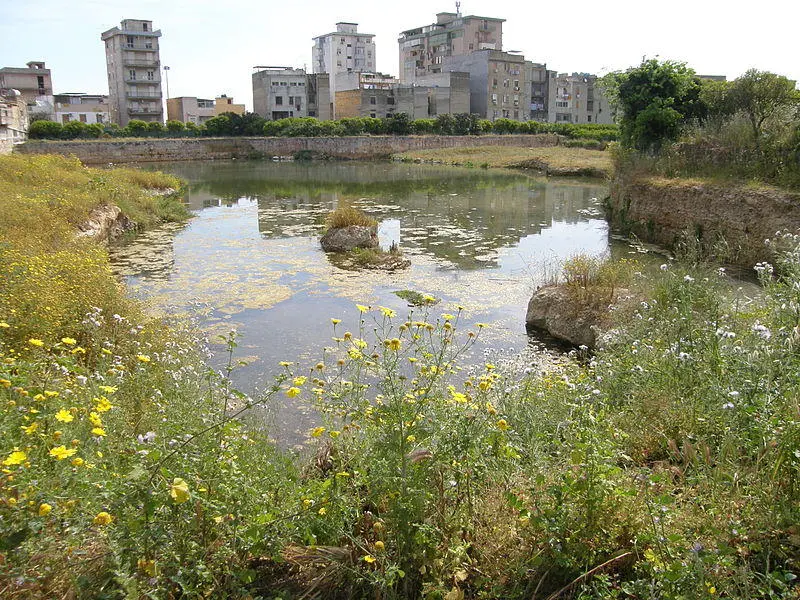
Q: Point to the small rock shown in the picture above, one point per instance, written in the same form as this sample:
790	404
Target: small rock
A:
344	239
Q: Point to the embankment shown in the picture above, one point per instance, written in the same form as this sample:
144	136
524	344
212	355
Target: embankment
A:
360	147
730	221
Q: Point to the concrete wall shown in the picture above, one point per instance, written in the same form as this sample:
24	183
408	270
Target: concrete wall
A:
148	150
6	146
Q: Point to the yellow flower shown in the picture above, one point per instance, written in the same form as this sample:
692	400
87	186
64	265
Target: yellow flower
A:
361	308
64	416
77	462
108	389
143	358
5	382
35	342
387	312
369	559
336	321
17	457
103	518
68	341
148	567
480	325
317	431
179	490
334	434
284	363
44	509
30	429
322	511
61	452
490	408
95	420
4	325
99	431
103	404
448	317
379	546
394	344
292	392
51	394
299	380
502	425
411	439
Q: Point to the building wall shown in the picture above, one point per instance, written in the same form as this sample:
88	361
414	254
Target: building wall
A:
190	109
577	98
223	104
538	78
35	84
133	65
280	92
85	108
13	118
343	51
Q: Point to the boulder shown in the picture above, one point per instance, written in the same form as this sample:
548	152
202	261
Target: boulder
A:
344	239
106	223
560	312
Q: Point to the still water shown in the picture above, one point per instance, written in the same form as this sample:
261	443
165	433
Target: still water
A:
250	257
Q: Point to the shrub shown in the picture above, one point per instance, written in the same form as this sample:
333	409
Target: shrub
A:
40	130
175	127
347	215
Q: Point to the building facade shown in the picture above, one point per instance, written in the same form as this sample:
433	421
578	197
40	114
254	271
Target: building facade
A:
133	64
424	50
190	109
343	51
13	116
282	92
34	83
86	108
539	79
497	83
225	104
577	98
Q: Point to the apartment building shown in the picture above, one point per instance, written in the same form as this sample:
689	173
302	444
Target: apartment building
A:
13	116
282	92
225	104
424	50
86	108
497	83
190	109
538	76
343	51
134	72
35	84
577	98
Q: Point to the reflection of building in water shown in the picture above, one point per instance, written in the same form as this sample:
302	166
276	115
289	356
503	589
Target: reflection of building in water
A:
150	256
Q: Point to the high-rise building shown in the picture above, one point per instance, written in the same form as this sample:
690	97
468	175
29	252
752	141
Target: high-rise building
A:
343	51
282	92
134	72
423	50
577	98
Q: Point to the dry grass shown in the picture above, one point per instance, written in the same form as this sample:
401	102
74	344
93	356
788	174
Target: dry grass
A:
556	160
347	215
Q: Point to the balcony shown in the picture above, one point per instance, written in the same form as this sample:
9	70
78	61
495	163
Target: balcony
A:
138	62
141	47
144	111
154	81
143	95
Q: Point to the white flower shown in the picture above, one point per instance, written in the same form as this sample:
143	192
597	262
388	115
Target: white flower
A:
762	331
727	405
688	278
664	267
733	394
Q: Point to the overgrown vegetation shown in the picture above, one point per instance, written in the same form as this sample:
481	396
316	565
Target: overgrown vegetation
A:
251	124
347	215
664	466
675	124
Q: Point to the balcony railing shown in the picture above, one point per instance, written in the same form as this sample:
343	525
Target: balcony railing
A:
142	94
145	111
154	81
148	48
134	62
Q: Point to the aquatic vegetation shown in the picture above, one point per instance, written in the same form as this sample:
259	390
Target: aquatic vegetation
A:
347	215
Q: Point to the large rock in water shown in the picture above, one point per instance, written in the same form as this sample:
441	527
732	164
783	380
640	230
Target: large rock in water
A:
344	239
556	310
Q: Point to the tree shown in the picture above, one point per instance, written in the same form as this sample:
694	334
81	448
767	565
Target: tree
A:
44	130
175	126
760	96
653	101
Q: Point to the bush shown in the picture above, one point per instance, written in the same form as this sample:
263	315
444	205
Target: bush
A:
44	130
346	215
175	127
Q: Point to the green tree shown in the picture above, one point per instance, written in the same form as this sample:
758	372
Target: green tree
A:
44	130
175	127
136	128
762	96
653	101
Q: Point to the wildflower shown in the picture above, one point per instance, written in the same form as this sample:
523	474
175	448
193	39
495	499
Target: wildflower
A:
361	308
762	331
490	408
17	457
387	312
68	341
61	452
143	358
334	434
299	380
108	389
664	267
411	439
77	462
688	278
64	416
448	317
394	344
5	382
336	321
95	420
379	546
320	366
307	503
4	325
369	559
99	431
502	425
103	404
179	490
51	394
480	325
30	429
102	518
148	567
292	392
317	431
35	342
44	509
285	363
728	405
322	511
342	474
146	438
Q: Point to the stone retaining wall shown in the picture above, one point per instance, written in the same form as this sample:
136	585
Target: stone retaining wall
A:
361	147
6	146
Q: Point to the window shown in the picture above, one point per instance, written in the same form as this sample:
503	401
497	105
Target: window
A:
373	100
148	44
372	115
82	117
505	98
588	118
144	26
505	83
390	100
516	85
516	114
65	118
132	74
494	98
275	83
100	118
590	105
278	100
151	75
129	41
494	82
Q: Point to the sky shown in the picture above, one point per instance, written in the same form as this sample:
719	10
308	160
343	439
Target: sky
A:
212	45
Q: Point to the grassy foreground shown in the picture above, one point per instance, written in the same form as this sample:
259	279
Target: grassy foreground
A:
667	465
556	160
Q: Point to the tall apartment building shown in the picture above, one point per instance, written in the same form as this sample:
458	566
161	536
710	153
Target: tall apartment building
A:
343	51
424	49
577	98
134	72
497	83
86	108
539	79
35	84
282	92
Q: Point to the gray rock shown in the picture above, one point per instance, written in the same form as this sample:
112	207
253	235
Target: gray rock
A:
344	239
555	310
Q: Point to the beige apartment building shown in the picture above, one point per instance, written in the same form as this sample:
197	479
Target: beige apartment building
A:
225	104
577	98
13	116
190	109
35	84
86	108
282	92
134	72
343	51
424	50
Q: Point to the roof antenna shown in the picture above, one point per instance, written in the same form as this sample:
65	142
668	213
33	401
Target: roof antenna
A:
458	8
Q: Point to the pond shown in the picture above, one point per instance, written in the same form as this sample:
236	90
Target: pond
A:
250	259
